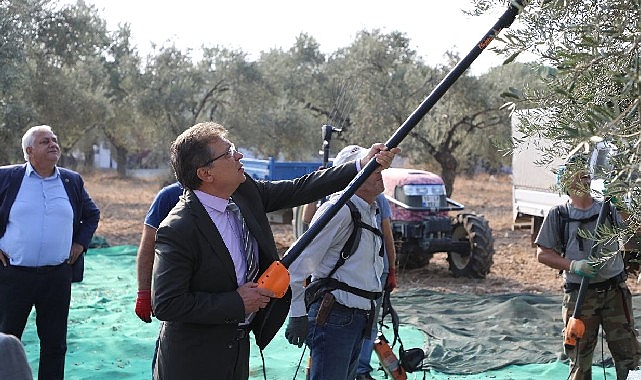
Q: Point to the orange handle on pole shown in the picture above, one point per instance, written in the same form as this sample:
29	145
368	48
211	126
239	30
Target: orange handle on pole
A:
275	278
573	332
388	360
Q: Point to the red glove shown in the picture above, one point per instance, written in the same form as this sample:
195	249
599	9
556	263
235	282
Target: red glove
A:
391	280
143	306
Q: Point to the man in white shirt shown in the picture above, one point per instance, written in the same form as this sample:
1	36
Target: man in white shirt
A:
335	312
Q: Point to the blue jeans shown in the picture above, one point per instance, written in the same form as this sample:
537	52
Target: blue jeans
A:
368	343
335	346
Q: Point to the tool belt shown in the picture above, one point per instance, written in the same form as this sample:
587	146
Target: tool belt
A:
317	288
609	284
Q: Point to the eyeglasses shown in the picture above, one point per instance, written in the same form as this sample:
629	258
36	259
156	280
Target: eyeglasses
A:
230	152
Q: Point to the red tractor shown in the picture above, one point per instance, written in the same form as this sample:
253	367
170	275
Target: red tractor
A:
422	226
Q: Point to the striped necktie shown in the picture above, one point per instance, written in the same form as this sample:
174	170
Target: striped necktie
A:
248	243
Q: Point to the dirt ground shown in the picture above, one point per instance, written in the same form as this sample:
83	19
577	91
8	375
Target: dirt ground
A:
124	203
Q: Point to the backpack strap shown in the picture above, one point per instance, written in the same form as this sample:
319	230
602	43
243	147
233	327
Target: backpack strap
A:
317	288
352	241
563	214
563	219
387	309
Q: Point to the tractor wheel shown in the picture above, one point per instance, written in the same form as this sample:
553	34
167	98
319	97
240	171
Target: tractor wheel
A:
410	256
475	230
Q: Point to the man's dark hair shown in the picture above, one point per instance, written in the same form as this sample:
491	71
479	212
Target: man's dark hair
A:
191	150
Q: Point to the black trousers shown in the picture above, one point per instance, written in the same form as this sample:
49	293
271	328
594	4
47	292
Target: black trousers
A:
49	291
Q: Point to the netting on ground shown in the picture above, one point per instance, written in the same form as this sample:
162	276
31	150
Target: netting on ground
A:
513	336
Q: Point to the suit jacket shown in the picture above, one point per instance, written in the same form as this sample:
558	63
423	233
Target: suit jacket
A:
194	280
85	212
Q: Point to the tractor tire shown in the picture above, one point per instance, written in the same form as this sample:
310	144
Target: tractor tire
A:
411	256
476	230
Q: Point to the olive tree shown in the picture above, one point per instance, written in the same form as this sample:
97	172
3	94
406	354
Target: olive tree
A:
47	67
273	102
589	55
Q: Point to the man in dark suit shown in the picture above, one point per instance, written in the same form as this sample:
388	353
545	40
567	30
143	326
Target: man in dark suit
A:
204	288
47	220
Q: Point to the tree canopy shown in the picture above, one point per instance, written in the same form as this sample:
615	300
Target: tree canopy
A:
63	67
589	54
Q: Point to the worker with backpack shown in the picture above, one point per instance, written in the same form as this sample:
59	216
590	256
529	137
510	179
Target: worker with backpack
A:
565	242
334	312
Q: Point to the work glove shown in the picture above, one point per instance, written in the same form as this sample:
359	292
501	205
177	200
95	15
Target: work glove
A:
582	268
391	280
143	305
296	331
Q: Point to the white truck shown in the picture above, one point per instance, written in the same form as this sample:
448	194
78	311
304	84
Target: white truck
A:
533	183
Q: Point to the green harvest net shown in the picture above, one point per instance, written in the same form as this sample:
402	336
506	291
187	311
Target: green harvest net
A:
512	336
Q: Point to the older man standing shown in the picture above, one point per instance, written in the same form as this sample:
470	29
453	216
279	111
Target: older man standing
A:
334	312
47	220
